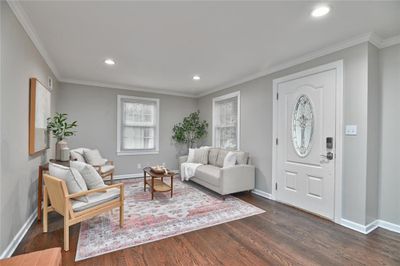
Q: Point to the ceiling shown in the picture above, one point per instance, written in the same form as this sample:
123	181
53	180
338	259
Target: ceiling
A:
159	46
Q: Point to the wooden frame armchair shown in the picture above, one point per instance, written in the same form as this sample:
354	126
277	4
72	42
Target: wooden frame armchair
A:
104	172
56	190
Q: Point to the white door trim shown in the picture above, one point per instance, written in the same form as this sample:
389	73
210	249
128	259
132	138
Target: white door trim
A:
338	66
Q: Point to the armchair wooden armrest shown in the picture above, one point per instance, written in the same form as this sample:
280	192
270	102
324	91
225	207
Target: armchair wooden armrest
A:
83	193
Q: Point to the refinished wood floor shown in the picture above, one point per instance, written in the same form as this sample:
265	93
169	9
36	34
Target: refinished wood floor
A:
281	236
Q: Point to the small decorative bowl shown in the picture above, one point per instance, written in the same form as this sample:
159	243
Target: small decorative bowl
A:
158	170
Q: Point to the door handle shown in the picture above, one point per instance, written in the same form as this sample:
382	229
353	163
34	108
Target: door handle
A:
328	156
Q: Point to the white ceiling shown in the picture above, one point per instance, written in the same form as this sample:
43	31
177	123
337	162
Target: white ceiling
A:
159	46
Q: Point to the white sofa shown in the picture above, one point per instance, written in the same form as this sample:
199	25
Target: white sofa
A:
214	176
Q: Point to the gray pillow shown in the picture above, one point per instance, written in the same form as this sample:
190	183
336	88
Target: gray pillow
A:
221	157
76	156
241	157
90	175
213	156
72	178
201	156
93	157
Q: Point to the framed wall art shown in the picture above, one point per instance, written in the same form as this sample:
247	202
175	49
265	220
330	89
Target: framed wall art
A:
39	111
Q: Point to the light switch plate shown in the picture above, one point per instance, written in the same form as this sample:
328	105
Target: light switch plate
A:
351	130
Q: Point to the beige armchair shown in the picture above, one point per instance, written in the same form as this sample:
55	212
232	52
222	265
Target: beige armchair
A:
75	211
106	170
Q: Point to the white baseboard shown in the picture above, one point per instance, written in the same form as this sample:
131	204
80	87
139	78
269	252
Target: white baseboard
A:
128	176
389	226
19	236
354	226
366	229
262	193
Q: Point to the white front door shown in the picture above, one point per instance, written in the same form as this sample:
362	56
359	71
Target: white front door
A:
306	142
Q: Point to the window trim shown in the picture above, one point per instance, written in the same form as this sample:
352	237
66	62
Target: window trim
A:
156	150
221	98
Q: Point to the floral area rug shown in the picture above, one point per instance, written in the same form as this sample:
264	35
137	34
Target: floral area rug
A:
146	220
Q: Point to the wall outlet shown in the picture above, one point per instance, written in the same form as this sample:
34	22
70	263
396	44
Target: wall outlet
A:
139	166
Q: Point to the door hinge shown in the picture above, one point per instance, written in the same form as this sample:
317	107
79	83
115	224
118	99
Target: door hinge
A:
276	141
276	185
277	96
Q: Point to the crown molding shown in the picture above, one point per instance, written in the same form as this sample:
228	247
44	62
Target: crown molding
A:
24	20
125	87
390	41
367	37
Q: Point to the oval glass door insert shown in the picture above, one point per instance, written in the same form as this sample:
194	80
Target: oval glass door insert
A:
302	126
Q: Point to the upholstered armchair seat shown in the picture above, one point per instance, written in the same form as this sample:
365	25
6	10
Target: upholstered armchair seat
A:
95	199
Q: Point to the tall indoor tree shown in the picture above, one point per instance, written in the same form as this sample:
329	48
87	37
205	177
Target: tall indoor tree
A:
191	130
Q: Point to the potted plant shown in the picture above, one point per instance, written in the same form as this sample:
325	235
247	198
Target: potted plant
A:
190	131
60	129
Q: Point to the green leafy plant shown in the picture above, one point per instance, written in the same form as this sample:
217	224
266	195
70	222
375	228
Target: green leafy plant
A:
191	130
60	128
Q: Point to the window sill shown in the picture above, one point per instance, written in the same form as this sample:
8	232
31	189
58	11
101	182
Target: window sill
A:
129	153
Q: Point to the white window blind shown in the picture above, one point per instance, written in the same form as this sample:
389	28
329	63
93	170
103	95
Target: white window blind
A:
137	125
226	121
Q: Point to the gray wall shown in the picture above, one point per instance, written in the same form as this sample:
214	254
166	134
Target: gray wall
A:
256	125
19	61
390	132
95	109
374	118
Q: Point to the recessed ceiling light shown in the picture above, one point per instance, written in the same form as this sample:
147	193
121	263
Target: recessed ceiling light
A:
196	77
109	62
320	11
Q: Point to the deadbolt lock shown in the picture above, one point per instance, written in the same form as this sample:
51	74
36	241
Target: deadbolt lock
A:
329	156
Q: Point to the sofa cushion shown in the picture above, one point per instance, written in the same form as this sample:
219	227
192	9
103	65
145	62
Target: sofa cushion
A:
209	174
221	157
201	156
198	156
95	199
213	156
92	178
241	157
73	179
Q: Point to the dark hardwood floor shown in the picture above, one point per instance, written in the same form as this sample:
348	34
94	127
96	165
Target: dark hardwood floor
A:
281	236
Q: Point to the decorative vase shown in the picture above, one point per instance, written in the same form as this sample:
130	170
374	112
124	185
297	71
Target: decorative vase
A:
59	146
64	154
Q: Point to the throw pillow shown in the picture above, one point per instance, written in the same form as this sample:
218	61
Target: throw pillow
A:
93	157
73	179
241	157
76	156
90	175
230	159
190	158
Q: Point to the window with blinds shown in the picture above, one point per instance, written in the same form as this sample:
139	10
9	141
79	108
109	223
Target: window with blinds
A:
226	121
137	125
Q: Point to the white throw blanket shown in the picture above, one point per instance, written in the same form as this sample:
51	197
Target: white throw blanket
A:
188	170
